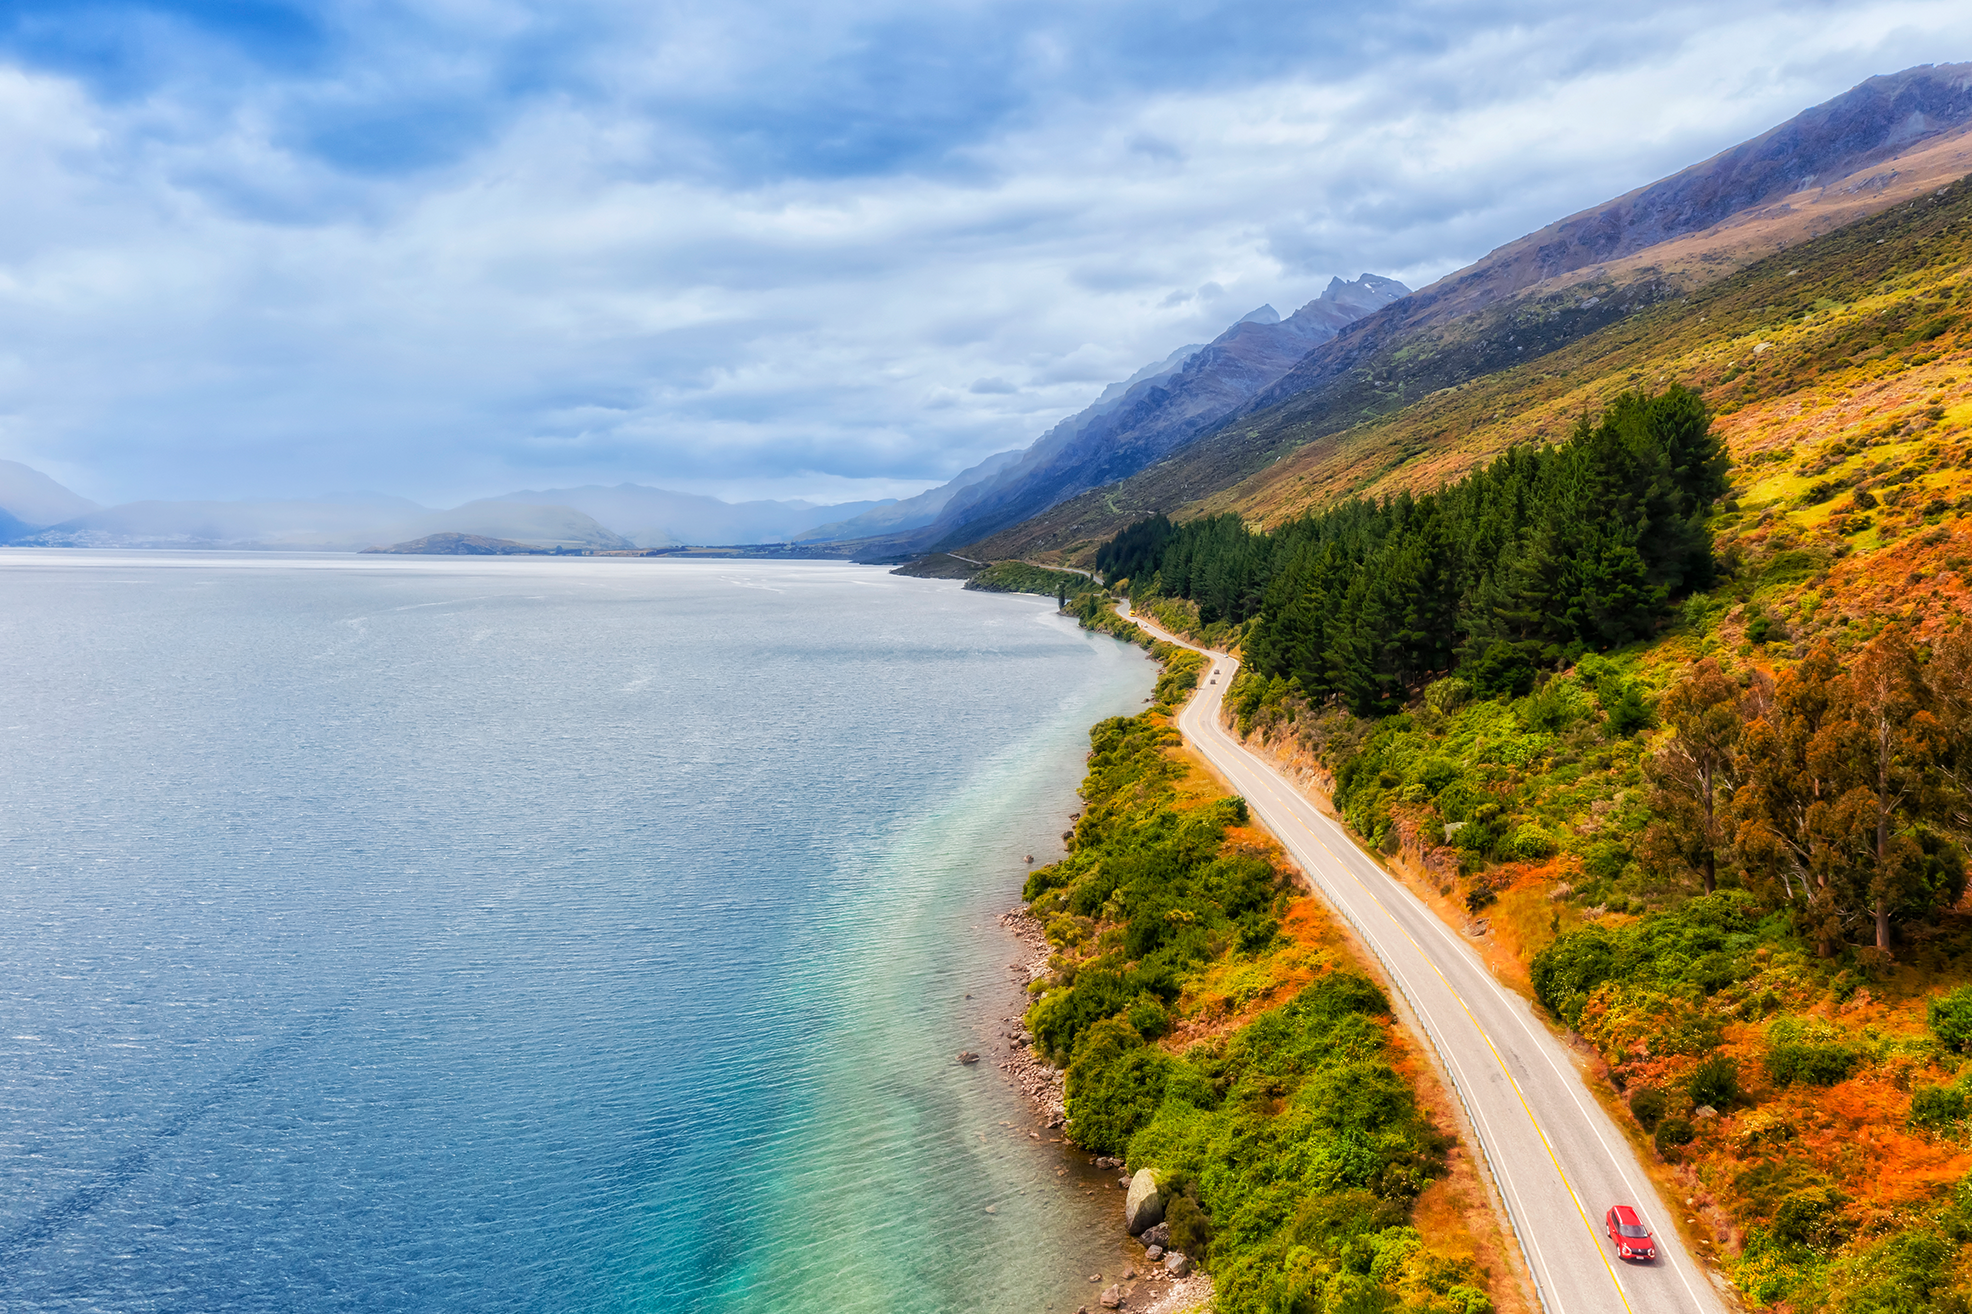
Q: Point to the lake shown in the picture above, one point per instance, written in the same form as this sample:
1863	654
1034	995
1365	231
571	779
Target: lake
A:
398	933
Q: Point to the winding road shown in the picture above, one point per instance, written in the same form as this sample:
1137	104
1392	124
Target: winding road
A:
1557	1158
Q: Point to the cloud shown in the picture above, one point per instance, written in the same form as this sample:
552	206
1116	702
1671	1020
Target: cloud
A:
448	247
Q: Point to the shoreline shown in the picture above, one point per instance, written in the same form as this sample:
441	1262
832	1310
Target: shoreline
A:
1143	1286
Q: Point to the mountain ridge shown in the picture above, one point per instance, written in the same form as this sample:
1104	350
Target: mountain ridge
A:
1491	316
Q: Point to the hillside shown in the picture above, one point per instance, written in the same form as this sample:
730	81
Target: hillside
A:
30	499
1886	142
1714	819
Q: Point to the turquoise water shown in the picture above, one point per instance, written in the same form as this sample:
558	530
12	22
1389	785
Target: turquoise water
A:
441	934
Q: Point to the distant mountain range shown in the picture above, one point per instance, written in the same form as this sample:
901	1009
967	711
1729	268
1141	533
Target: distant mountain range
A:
1133	423
36	511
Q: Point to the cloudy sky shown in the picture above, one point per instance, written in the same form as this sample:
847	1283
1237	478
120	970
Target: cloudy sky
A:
445	248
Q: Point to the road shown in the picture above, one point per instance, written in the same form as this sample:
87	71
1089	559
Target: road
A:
1558	1160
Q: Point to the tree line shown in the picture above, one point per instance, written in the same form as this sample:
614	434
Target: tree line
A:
1549	552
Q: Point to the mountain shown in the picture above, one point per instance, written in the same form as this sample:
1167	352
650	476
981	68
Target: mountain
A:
341	525
1152	418
31	499
912	512
626	516
657	517
1884	143
457	545
1135	422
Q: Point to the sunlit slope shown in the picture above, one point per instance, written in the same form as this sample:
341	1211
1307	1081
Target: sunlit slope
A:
1854	338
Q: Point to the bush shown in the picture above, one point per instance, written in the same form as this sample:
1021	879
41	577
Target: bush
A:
1647	1106
1148	1017
1936	1106
1809	1217
1530	843
1501	670
1810	1063
1569	969
1114	1086
1191	1230
1951	1018
1628	712
1715	1082
1672	1133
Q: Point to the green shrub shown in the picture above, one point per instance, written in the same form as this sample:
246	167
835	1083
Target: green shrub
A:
1191	1230
1605	860
1554	706
1530	843
1501	670
1447	695
1148	1016
1715	1082
1114	1086
1809	1217
1569	969
1937	1106
1435	774
1647	1106
1672	1133
1897	1275
1813	1065
1951	1018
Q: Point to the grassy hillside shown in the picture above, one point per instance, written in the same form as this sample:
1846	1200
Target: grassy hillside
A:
1729	852
1861	328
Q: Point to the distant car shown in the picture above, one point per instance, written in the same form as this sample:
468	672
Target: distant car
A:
1632	1238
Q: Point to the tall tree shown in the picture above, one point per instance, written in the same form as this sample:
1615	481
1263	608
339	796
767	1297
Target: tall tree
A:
1780	807
1693	767
1884	695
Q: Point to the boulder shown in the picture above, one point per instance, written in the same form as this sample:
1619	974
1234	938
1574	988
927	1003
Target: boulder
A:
1154	1253
1177	1265
1112	1298
1159	1236
1144	1206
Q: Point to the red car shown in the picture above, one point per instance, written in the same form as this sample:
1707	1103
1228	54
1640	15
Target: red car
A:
1632	1238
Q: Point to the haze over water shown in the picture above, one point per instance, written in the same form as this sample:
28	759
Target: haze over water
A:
520	934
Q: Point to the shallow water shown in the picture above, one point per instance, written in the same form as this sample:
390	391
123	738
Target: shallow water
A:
523	934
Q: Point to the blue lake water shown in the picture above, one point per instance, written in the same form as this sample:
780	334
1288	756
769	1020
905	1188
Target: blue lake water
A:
524	934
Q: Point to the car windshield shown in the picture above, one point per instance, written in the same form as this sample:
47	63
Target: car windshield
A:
1632	1229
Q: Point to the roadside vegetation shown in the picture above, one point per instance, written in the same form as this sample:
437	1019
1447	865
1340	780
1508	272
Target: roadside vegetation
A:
1216	1028
1697	774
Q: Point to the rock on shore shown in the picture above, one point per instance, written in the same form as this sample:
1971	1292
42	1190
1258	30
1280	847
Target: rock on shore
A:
1144	1206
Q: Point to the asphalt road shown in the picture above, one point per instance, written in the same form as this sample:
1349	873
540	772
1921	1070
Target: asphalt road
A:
1557	1158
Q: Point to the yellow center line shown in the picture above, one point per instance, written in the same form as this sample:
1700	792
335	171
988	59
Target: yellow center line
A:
1553	1158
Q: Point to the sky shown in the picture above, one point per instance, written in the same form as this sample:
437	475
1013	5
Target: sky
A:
451	248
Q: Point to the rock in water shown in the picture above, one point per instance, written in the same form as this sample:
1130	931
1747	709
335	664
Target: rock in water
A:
967	1056
1154	1253
1112	1298
1144	1206
1159	1236
1177	1265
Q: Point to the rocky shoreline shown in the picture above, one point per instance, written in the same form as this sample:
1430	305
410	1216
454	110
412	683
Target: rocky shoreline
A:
1036	1079
1159	1285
